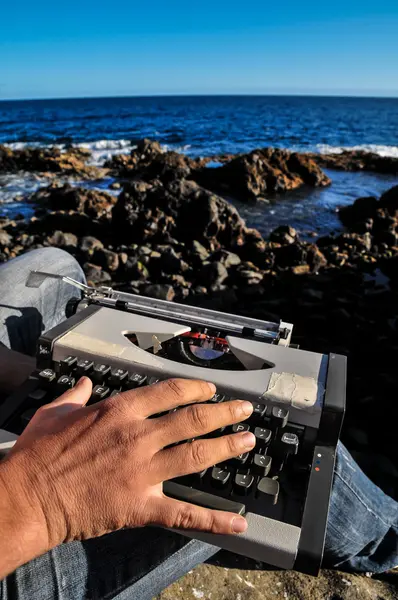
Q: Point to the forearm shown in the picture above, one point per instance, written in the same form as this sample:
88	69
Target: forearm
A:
23	533
15	368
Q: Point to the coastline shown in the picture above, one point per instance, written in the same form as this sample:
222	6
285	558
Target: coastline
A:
157	232
165	230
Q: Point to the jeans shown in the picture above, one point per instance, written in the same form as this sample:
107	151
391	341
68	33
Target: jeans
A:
362	532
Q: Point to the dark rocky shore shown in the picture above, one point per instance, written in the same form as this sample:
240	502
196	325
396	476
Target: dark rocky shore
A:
168	231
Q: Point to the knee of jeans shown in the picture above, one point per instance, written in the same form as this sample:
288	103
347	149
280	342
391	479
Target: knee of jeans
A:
60	262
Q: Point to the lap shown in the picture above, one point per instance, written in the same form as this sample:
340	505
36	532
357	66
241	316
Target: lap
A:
26	312
131	564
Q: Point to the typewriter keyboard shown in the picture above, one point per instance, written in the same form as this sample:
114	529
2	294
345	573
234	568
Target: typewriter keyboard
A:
270	480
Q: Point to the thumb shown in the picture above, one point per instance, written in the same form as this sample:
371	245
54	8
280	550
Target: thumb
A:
72	399
182	515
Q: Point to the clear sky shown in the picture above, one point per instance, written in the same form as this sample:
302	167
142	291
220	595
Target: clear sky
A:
86	48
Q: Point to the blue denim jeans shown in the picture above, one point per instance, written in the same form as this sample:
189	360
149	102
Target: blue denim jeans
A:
362	533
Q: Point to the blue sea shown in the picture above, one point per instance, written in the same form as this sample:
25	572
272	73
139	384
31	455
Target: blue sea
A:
209	125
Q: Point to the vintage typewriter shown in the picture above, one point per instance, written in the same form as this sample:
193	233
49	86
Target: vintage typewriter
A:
122	341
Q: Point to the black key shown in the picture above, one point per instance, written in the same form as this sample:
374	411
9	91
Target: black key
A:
243	483
117	376
114	393
220	477
268	490
83	367
100	372
99	393
286	446
238	427
186	494
217	398
290	443
38	395
67	364
136	380
240	459
259	410
153	380
263	436
46	376
279	417
65	383
261	464
27	415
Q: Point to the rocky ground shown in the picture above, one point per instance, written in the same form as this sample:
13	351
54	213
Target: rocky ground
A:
167	230
217	582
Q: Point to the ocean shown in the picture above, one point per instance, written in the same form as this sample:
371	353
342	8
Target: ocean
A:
209	125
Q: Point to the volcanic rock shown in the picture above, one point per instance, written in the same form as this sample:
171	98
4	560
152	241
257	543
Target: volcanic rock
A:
149	161
389	200
48	160
5	238
180	209
270	170
94	203
283	235
362	209
63	240
212	275
357	160
159	291
90	244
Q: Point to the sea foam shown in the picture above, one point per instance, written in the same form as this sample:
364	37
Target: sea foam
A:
379	149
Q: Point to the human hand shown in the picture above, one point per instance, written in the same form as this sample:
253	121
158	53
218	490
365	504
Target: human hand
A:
91	470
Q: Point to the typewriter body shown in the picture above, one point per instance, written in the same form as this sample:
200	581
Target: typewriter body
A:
122	341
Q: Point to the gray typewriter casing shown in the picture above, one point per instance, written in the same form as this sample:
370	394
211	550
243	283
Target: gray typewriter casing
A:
311	385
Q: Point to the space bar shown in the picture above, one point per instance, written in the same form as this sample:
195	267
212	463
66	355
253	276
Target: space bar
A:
186	494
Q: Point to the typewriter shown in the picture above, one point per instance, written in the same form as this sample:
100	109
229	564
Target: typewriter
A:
122	341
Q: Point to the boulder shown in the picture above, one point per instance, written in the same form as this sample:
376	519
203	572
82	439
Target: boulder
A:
95	275
389	200
149	161
159	291
362	209
49	160
94	203
107	259
63	240
315	258
5	238
212	275
291	255
90	244
284	234
261	172
247	274
77	223
228	259
179	210
357	160
199	251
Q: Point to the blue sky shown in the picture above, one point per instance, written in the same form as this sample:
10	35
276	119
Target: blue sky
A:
87	48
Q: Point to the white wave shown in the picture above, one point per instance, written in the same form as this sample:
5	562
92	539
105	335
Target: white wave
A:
103	150
169	147
16	187
379	149
22	145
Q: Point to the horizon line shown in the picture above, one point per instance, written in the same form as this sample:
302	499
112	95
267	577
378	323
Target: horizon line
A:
201	95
